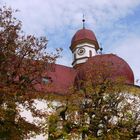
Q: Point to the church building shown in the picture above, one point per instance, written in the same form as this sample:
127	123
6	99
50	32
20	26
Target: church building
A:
86	61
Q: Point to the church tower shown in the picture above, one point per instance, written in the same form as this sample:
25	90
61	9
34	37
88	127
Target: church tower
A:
83	45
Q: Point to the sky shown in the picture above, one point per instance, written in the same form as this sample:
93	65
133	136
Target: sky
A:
116	24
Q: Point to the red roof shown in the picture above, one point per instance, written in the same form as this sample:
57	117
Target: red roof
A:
104	66
62	79
110	66
84	35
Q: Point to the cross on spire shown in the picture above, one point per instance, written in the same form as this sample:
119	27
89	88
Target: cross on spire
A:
83	21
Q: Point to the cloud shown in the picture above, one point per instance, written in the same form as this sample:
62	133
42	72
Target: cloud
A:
38	16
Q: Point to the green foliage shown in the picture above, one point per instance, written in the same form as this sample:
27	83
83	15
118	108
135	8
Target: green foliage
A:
102	112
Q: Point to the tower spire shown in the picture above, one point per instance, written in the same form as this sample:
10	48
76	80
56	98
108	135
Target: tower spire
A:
83	20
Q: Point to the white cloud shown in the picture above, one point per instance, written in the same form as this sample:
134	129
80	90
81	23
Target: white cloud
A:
38	15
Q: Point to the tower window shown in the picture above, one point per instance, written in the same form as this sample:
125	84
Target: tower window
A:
90	53
74	56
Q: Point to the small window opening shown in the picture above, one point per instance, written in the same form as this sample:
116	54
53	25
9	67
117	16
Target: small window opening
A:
74	56
47	80
90	53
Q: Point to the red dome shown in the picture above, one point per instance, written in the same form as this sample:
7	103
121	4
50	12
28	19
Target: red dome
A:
84	35
107	66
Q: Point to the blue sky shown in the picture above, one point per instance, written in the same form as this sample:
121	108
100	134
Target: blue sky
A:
116	24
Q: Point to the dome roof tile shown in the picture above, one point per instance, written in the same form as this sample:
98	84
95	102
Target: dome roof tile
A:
103	66
84	35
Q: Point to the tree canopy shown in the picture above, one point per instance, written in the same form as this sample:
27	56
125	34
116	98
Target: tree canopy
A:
98	111
22	61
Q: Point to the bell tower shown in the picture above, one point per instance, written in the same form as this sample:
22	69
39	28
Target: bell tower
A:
83	46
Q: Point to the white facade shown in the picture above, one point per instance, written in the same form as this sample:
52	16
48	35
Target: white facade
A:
80	61
82	52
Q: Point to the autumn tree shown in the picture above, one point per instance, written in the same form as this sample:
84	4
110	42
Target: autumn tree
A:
23	59
97	108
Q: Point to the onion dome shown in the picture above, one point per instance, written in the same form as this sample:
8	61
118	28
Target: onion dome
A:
82	36
105	67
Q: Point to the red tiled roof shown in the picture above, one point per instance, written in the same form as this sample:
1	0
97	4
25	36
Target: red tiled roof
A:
84	35
62	78
108	65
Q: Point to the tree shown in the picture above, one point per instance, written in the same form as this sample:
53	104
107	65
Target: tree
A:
22	64
100	109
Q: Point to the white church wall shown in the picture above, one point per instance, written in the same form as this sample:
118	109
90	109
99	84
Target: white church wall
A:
47	107
50	107
80	61
87	47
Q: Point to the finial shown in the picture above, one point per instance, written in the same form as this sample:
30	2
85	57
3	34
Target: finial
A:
101	49
83	21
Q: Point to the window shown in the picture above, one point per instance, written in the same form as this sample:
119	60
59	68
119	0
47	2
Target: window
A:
90	53
74	56
46	80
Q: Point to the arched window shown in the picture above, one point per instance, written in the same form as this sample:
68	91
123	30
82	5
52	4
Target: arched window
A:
90	53
74	56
